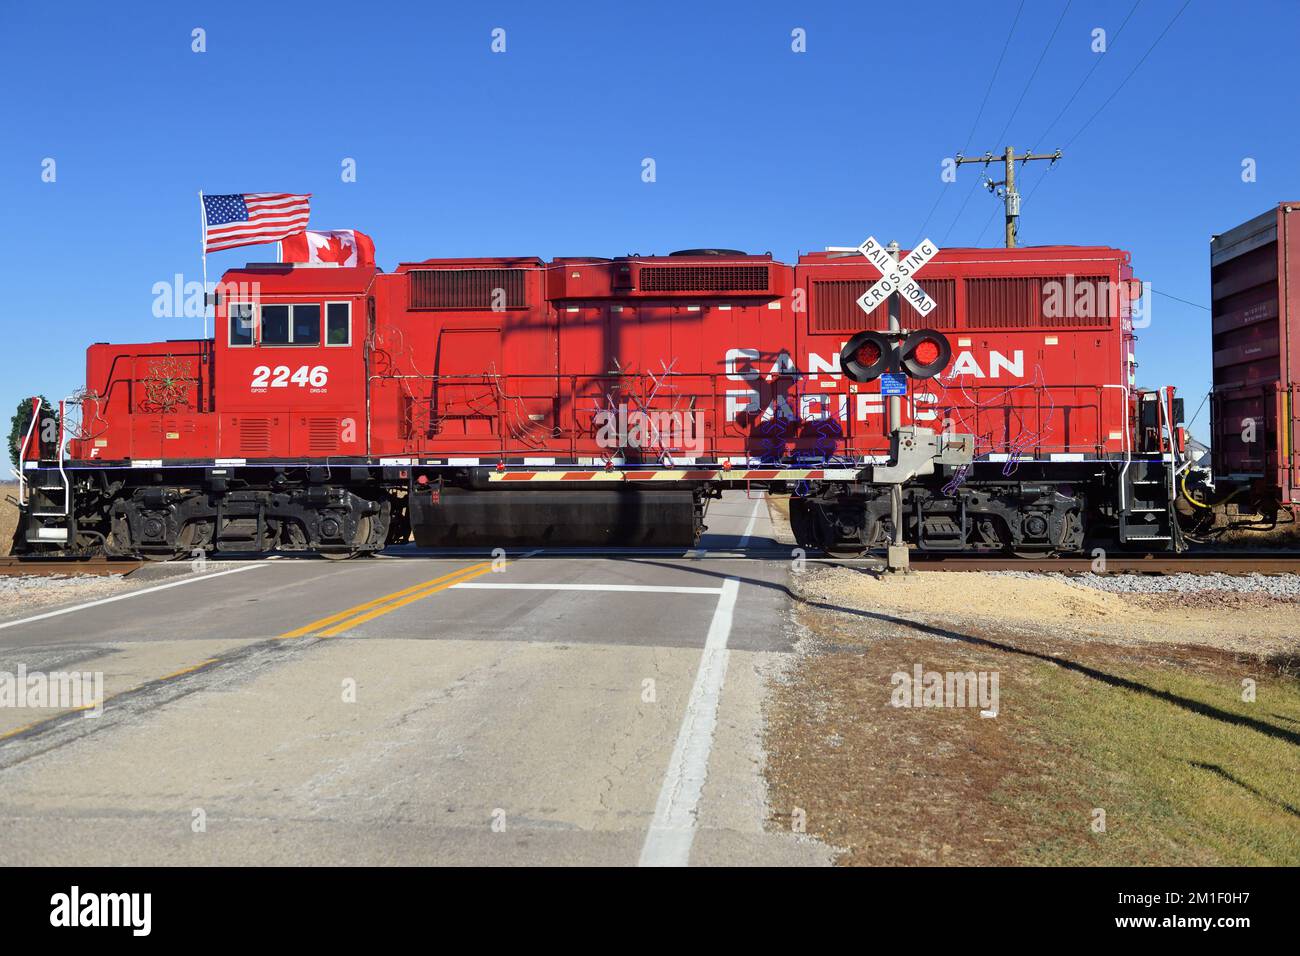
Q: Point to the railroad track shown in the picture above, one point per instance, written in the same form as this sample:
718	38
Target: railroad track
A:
51	566
1223	562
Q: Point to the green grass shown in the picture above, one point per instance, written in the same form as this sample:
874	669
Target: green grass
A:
1178	787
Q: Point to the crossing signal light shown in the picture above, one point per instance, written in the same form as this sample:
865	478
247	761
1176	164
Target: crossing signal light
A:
867	355
923	354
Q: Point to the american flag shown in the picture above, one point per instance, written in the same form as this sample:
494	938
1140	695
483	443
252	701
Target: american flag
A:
249	218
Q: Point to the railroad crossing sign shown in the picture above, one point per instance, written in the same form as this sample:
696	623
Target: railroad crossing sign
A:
897	276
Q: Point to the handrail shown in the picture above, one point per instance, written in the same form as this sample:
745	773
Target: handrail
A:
1128	447
1038	405
21	471
63	451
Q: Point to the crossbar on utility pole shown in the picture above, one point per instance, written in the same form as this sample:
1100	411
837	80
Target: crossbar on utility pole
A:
1010	196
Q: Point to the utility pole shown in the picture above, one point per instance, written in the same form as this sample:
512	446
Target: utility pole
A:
1009	195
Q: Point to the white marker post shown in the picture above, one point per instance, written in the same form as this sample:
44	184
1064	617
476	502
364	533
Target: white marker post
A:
897	280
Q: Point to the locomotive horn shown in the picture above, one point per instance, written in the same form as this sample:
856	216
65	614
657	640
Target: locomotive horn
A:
866	355
925	353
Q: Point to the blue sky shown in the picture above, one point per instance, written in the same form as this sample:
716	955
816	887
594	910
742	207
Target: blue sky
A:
538	151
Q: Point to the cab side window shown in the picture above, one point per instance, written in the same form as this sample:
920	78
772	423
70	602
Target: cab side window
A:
306	324
240	317
338	323
290	324
275	325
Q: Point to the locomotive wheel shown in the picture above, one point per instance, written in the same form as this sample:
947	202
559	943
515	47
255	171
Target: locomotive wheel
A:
360	538
813	529
160	555
182	550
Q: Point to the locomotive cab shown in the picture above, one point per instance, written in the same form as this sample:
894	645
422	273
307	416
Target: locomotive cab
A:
290	370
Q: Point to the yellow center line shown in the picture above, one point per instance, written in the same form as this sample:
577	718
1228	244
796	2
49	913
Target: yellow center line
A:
402	602
414	591
342	621
190	670
35	723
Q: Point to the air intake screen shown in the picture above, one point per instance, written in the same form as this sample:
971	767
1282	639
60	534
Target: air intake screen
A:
255	436
835	306
468	289
1041	301
323	435
704	279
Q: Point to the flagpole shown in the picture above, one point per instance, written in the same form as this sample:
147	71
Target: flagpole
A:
203	219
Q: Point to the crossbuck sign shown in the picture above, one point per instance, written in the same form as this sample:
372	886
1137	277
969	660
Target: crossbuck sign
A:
897	275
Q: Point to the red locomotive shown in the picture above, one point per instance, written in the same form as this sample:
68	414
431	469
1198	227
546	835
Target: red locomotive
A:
589	400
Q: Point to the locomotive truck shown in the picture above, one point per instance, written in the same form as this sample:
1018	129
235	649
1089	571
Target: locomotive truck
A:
606	401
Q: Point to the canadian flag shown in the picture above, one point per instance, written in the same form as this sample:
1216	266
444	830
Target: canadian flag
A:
339	248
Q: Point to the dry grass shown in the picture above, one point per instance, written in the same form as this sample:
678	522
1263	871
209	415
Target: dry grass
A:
1156	734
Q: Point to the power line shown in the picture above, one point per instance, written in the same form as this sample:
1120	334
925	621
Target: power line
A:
1157	40
1016	109
1195	305
1106	103
1006	44
1198	410
989	89
1030	82
1097	61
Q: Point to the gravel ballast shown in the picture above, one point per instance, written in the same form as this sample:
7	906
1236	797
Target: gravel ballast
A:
1285	586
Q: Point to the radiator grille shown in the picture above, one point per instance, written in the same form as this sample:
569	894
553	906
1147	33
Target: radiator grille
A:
1017	303
704	279
323	435
468	289
835	306
255	435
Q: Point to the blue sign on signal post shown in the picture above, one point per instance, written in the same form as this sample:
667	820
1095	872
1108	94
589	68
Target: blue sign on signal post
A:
893	383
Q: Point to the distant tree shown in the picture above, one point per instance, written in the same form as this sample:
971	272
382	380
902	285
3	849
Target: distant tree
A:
23	417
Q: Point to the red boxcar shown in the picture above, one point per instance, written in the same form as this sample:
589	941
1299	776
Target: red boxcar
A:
1255	305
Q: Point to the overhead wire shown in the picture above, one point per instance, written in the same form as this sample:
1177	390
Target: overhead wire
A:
978	116
1016	109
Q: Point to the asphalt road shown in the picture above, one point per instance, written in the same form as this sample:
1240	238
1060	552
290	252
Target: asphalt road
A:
543	708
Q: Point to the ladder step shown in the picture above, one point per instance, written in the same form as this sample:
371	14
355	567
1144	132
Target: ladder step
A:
1147	537
48	534
49	514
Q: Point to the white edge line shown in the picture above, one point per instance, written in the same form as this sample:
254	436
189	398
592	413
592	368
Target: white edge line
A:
749	528
672	831
529	586
201	576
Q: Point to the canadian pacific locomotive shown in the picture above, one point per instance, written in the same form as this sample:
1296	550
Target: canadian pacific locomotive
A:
506	401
